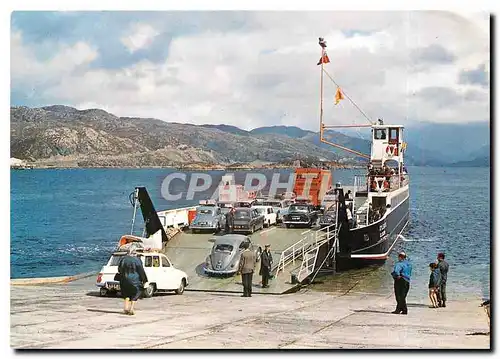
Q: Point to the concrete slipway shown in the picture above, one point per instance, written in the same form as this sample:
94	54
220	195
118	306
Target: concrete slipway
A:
72	315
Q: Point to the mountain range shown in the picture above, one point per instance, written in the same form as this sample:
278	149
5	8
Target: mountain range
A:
65	136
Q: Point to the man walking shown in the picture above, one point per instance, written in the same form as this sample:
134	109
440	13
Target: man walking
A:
230	220
443	268
247	267
266	263
401	275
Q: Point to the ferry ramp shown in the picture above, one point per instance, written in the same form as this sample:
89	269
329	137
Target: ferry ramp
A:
188	252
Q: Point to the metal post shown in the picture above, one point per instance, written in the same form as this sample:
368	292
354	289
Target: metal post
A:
135	211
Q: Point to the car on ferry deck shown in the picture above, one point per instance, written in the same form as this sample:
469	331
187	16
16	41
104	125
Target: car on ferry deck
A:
209	217
328	219
247	220
300	214
268	213
224	257
280	207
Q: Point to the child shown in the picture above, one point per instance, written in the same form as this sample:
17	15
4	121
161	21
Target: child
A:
434	283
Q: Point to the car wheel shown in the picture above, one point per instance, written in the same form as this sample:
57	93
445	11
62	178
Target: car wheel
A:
103	292
180	290
252	230
217	229
149	290
287	225
194	231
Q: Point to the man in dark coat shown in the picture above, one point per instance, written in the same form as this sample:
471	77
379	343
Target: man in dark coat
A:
230	221
246	268
266	263
132	279
443	268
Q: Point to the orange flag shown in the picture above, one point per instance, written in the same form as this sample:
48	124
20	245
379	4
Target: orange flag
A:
338	96
324	59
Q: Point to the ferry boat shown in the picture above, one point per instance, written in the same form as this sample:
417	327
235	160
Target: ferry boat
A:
370	222
367	225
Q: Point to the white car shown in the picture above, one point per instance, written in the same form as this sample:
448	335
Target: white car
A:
270	216
162	275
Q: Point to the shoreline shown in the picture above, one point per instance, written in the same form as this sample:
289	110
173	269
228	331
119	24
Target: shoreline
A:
215	168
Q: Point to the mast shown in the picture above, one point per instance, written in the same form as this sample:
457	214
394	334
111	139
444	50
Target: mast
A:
324	59
322	43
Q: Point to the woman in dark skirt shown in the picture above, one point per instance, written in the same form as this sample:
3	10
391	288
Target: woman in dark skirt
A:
132	279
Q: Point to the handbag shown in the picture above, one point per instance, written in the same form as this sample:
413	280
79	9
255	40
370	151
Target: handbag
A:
117	277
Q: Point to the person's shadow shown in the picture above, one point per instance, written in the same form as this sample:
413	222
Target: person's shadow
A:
106	311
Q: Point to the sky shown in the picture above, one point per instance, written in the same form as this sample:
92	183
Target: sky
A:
252	69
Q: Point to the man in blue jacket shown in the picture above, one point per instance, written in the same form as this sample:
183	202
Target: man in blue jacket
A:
401	275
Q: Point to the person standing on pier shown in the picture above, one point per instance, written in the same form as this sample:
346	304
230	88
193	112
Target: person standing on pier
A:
443	268
434	284
246	268
401	275
266	263
132	279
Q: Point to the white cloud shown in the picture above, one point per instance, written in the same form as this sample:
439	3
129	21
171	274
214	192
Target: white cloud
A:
26	69
266	73
140	36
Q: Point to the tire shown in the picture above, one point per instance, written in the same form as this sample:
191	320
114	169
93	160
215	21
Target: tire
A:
149	291
217	229
287	225
194	231
253	230
180	290
103	292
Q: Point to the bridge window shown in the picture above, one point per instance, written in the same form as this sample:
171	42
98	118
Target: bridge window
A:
393	135
380	134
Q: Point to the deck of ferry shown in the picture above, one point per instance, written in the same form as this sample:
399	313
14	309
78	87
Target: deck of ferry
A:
189	251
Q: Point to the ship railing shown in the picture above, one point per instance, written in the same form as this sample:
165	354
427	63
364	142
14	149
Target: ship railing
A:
331	253
379	183
297	250
310	257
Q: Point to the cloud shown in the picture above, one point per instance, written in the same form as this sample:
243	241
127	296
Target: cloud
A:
251	69
433	54
478	76
141	36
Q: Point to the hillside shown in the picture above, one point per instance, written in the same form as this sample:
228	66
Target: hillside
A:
64	136
57	134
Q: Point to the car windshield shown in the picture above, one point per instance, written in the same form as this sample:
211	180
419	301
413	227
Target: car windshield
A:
274	204
204	211
115	260
225	210
241	214
224	248
298	208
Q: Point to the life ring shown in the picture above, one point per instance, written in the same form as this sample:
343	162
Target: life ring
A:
386	184
389	150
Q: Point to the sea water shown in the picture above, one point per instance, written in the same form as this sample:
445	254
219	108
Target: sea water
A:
68	221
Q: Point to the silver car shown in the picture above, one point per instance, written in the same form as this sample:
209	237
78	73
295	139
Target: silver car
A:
224	258
208	218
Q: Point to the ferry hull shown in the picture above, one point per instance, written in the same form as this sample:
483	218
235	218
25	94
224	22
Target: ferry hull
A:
372	245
